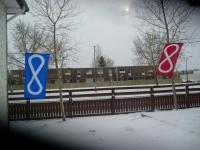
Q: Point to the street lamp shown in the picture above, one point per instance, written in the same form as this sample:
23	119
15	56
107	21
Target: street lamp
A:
95	66
186	59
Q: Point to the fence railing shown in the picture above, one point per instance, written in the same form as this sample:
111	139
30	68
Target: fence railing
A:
103	101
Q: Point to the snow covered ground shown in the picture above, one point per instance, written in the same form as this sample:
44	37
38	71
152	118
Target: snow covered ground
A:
160	130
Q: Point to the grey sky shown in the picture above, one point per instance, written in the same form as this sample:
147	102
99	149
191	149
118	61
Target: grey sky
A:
106	23
109	23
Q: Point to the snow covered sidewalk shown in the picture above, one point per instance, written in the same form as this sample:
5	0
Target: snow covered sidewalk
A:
174	130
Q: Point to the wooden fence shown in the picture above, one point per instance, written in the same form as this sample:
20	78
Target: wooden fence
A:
103	101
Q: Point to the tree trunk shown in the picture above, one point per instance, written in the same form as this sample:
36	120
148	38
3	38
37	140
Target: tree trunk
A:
167	32
155	76
154	68
58	71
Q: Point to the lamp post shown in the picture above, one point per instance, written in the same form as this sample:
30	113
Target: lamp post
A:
95	66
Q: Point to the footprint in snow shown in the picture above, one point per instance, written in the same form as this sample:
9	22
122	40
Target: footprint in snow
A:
143	115
92	131
129	129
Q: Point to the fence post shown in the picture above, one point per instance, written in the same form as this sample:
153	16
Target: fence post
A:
112	105
70	104
152	100
28	111
187	98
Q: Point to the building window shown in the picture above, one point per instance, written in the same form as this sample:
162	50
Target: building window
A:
89	72
99	71
150	73
78	74
67	72
121	71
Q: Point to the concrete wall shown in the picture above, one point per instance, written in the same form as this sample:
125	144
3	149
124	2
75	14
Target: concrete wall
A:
3	68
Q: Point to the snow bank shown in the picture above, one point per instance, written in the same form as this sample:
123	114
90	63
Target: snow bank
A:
164	130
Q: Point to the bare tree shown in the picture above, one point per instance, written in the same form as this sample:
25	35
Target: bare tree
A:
109	62
147	48
66	52
170	17
58	15
167	16
26	38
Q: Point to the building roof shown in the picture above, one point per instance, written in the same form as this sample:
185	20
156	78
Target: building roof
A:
15	6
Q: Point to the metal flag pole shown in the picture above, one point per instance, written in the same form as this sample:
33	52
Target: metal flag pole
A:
95	67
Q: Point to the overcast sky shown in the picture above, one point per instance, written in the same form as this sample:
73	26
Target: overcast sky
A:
111	23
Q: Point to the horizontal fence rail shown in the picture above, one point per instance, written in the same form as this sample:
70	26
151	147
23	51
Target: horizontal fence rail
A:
103	101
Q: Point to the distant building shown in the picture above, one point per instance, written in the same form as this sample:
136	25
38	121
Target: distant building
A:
87	75
193	75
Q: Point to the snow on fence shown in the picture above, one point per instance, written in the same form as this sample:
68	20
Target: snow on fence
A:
103	101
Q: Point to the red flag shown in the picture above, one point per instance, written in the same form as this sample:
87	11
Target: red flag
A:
168	59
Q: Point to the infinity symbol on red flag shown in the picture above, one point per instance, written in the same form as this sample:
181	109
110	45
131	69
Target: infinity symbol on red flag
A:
168	58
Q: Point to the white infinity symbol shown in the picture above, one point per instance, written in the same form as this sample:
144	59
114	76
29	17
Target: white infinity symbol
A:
168	58
35	74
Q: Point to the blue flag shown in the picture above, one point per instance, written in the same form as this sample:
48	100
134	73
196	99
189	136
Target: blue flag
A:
36	66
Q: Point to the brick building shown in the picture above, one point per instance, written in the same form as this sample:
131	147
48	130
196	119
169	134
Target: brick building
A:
88	75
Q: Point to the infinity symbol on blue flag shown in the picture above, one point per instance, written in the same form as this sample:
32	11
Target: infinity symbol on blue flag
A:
35	74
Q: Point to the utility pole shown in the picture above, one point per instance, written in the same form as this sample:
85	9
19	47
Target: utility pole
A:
186	70
116	71
95	66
